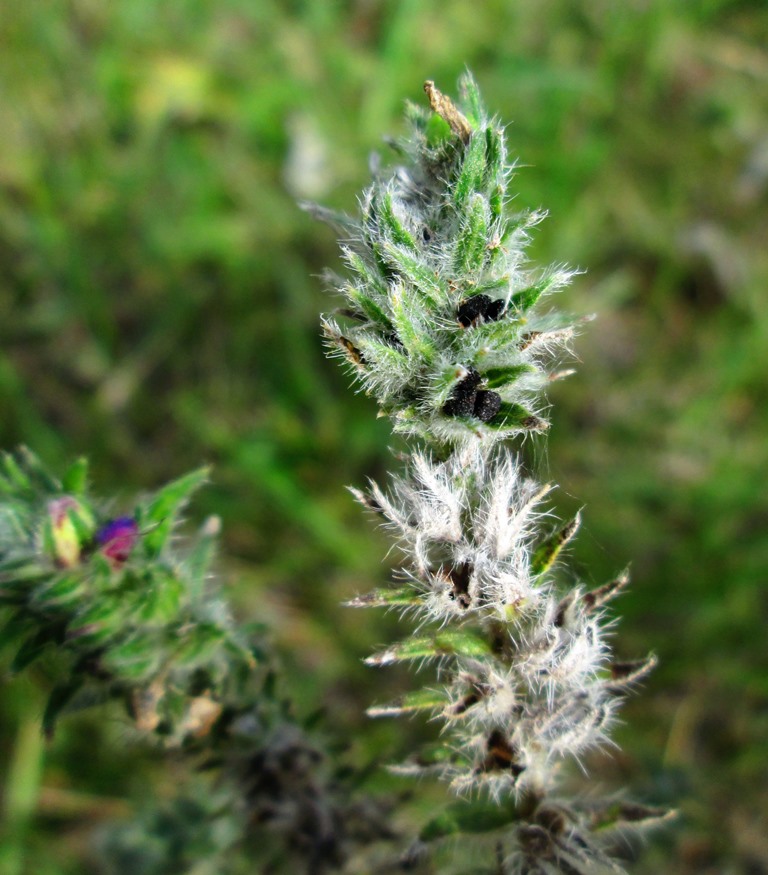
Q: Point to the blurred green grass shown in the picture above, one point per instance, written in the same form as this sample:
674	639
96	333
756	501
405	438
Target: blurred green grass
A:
159	297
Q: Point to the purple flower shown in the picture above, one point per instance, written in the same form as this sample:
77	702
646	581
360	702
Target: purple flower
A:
117	538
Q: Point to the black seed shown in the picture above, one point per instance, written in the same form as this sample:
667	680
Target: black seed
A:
462	400
472	309
460	578
494	311
487	405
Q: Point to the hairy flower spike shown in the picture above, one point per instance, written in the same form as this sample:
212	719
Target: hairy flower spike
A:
444	327
442	312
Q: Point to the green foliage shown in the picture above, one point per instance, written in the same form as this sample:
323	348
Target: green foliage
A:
158	308
111	601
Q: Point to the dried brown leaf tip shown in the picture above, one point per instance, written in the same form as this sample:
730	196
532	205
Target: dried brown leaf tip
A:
447	110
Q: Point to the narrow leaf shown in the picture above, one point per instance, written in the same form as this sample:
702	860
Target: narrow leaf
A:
517	417
471	816
449	643
60	698
76	477
384	598
161	514
471	245
547	552
496	378
420	700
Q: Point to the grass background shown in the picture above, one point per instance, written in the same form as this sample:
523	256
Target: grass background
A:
159	307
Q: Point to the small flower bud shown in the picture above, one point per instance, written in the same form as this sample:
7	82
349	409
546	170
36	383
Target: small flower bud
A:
67	530
117	538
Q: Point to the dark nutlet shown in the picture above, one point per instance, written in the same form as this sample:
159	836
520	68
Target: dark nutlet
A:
487	405
479	307
462	400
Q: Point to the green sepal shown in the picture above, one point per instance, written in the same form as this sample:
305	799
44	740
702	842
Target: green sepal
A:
369	277
424	280
200	646
160	515
437	131
471	100
448	643
61	696
515	416
198	563
471	246
525	299
618	814
160	599
392	225
13	477
75	479
37	475
134	659
495	378
63	591
15	582
471	175
546	553
500	335
405	311
99	621
403	596
411	703
495	156
17	626
369	308
33	648
470	816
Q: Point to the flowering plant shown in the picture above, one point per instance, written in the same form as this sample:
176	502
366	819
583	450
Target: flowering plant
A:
445	326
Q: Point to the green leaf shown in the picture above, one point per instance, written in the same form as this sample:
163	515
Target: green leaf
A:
471	175
420	700
615	814
546	553
410	330
437	131
197	564
368	307
448	643
201	644
134	659
161	514
32	649
63	591
369	276
515	416
495	155
75	479
423	279
496	378
17	625
527	298
471	246
470	816
471	100
38	475
395	229
161	598
13	475
403	596
99	621
58	700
